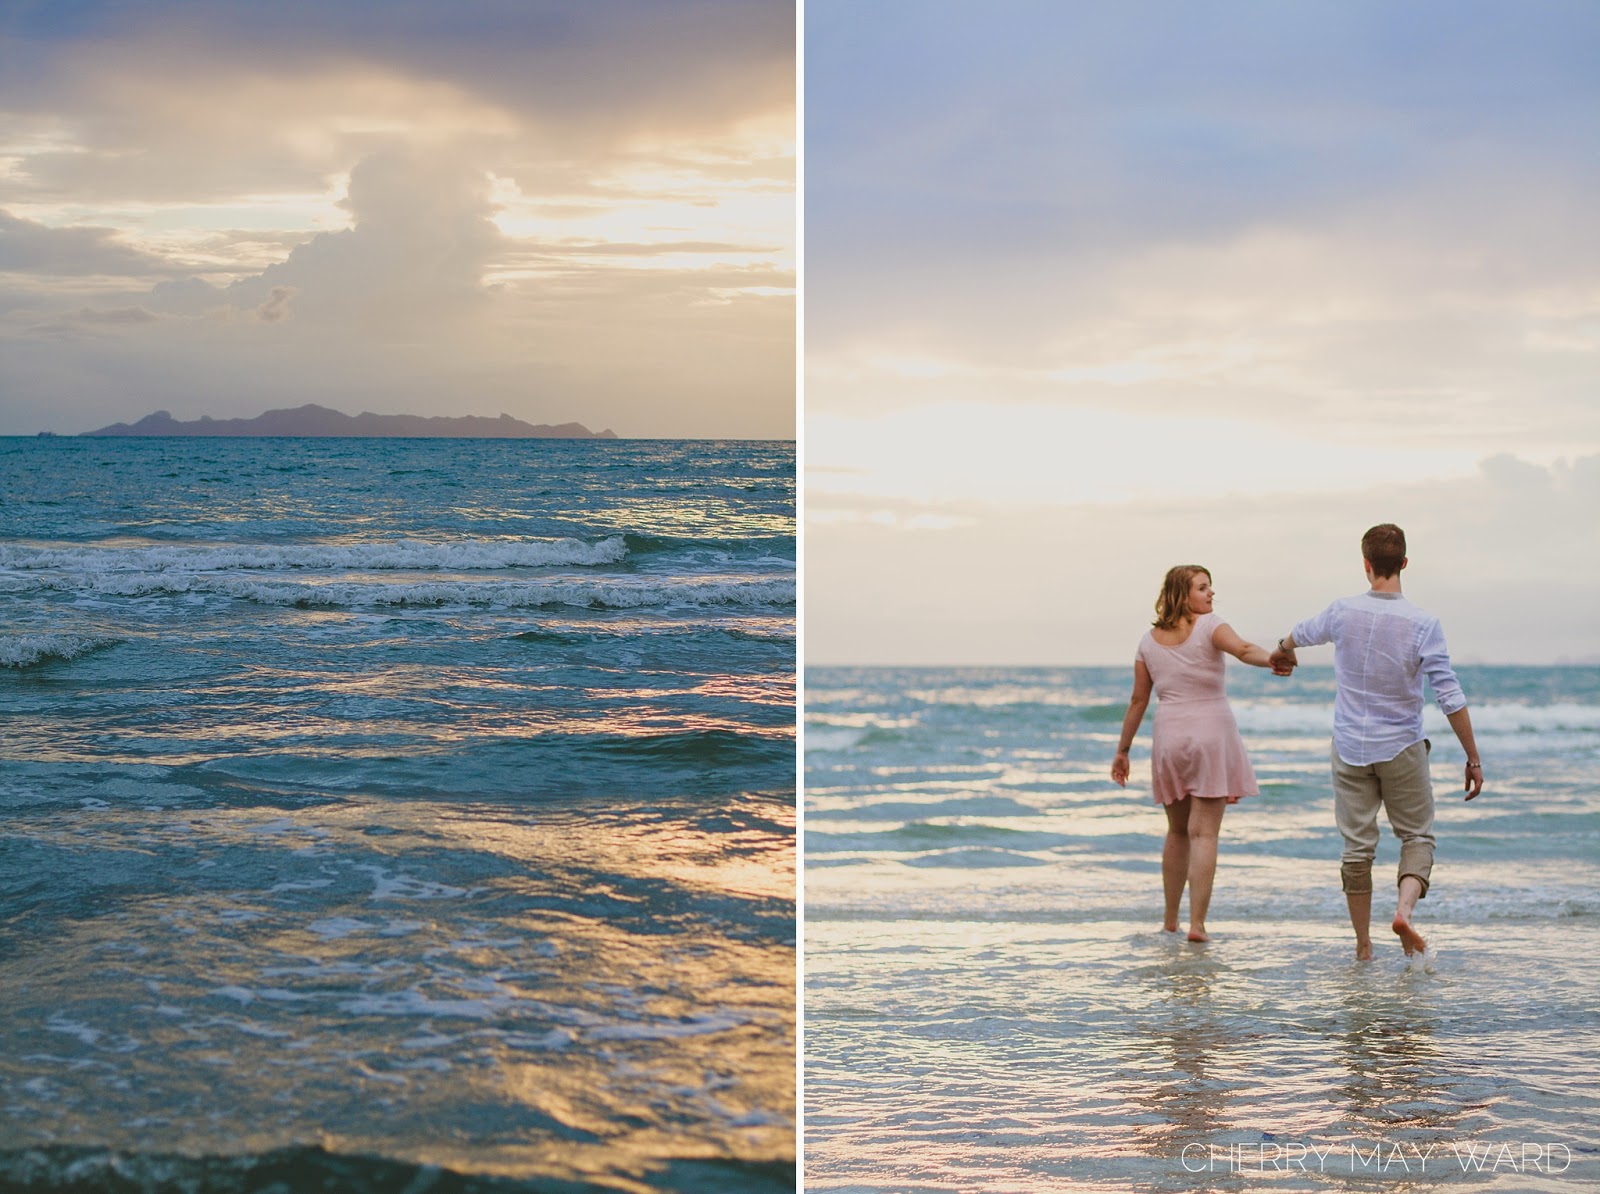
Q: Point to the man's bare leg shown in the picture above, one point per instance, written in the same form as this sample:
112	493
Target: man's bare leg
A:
1410	893
1361	921
1205	822
1175	861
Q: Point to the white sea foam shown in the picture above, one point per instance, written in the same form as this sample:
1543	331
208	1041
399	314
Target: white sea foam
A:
403	887
1520	719
414	1003
283	995
26	650
299	885
833	738
279	825
250	1027
1490	718
616	593
401	928
405	554
696	1025
83	1032
556	1039
332	928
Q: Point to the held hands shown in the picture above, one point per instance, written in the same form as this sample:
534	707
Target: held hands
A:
1474	783
1283	662
1119	769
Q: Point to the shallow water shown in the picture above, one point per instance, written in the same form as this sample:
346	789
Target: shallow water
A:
990	1002
390	811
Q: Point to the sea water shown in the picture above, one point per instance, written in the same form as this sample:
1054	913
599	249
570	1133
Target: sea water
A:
991	1002
383	812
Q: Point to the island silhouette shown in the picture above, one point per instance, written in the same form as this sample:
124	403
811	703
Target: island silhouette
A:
312	419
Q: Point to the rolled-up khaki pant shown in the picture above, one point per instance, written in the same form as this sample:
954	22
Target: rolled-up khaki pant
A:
1402	788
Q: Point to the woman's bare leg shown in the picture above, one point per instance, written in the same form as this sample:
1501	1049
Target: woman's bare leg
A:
1175	860
1205	822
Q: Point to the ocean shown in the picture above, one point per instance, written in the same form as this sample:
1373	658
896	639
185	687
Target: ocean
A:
991	1003
389	814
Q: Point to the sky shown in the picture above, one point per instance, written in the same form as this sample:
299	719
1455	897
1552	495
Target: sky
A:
561	211
1093	290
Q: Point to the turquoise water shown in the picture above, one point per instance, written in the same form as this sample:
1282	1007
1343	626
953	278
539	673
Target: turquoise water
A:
990	1002
389	810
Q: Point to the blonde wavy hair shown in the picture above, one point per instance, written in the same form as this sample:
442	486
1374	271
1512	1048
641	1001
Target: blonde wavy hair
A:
1172	606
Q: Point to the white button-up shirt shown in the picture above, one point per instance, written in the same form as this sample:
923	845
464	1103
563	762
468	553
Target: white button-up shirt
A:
1383	646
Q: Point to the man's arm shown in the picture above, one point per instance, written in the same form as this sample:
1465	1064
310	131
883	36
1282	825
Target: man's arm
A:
1452	702
1461	723
1310	633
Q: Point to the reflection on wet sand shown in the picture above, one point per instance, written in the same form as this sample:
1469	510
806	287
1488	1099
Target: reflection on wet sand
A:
1198	1062
1392	1064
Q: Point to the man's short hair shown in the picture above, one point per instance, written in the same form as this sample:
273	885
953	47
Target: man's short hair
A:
1384	547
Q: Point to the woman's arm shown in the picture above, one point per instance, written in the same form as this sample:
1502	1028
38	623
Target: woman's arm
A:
1224	639
1137	704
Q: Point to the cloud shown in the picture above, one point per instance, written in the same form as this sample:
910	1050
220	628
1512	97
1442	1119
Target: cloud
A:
421	238
89	323
115	316
559	88
579	248
276	306
79	252
1311	213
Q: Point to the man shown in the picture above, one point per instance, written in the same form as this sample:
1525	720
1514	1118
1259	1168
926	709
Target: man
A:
1383	647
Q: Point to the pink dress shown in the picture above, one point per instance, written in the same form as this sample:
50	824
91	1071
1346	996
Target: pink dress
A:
1195	748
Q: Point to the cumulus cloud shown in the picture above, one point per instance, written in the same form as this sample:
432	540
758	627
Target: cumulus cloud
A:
421	237
562	211
276	306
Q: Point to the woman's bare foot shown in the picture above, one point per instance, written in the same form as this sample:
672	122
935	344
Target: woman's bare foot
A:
1197	934
1170	926
1410	939
1363	951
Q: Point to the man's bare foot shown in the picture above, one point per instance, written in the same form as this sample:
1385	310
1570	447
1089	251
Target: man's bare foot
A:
1363	951
1410	939
1170	927
1198	935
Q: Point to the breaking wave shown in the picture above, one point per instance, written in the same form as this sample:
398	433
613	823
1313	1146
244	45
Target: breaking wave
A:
715	748
769	545
29	650
1497	718
612	594
407	554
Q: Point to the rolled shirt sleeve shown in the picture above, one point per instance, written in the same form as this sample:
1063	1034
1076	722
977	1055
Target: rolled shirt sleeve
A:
1315	631
1436	667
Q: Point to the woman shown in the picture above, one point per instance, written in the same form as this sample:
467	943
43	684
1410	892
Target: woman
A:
1197	762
